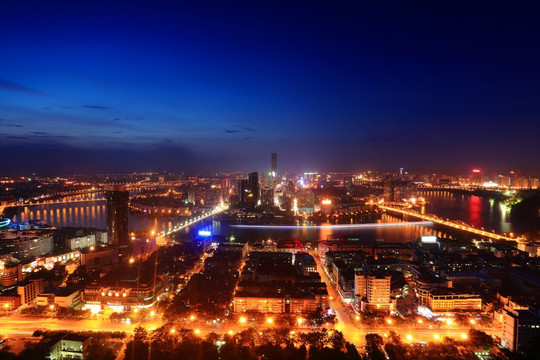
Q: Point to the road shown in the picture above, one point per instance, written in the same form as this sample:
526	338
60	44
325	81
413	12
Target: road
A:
17	325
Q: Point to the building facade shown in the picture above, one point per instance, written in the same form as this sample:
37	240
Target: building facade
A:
520	327
117	215
372	291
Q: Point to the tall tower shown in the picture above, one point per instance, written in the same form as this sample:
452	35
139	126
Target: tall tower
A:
117	215
274	164
254	186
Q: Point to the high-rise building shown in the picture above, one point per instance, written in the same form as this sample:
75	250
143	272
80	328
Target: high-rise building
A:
274	164
242	190
520	327
117	215
267	195
399	190
373	292
253	187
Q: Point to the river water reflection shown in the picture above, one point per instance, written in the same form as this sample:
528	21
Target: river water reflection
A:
91	212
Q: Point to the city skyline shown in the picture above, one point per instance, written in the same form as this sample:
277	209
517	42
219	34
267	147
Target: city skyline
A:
118	88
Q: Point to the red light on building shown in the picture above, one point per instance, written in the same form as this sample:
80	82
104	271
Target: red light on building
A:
476	171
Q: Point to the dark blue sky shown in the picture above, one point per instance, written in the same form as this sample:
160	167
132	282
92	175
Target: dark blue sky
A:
328	85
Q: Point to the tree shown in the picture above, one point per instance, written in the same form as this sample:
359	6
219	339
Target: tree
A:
5	354
98	351
480	339
374	347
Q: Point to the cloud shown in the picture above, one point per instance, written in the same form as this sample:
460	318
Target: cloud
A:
127	118
15	125
39	133
97	107
114	157
239	128
8	85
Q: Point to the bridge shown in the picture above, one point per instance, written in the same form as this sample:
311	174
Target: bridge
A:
459	225
160	237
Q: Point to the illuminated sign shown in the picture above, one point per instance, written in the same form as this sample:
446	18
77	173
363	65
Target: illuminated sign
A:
327	202
205	233
429	239
476	171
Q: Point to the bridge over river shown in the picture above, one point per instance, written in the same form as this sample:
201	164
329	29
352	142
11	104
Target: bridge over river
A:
459	225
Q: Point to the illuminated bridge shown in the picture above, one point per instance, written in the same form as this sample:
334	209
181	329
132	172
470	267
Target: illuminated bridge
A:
459	225
160	238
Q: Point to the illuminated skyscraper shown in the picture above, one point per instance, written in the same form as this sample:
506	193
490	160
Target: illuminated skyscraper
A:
254	187
242	189
117	215
274	164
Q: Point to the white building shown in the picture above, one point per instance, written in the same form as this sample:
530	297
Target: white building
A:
372	291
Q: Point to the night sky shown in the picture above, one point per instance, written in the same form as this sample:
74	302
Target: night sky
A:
198	85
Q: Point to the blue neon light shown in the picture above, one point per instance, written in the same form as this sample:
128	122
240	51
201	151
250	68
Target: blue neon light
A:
205	233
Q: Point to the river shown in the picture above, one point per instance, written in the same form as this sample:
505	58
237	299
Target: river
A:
481	212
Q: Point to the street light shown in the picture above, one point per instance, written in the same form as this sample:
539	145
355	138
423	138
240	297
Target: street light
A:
6	306
270	320
242	320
